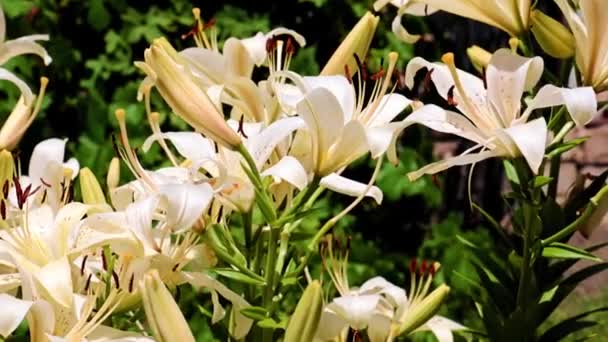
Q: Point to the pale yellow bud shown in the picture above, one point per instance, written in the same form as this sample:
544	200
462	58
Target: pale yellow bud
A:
162	312
480	57
356	42
90	188
7	167
304	321
113	176
552	36
21	118
176	84
424	310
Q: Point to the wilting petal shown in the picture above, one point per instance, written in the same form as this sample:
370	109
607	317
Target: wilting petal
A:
442	328
186	203
290	170
190	145
343	185
445	121
531	140
12	312
508	76
580	102
260	146
356	310
55	281
441	165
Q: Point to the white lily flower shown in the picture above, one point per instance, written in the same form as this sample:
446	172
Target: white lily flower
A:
511	16
383	309
590	40
230	181
493	117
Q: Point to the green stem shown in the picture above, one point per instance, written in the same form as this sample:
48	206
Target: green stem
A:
263	198
526	268
303	197
248	231
554	174
572	227
271	259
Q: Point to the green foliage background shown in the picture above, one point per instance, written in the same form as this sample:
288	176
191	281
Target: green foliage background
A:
94	43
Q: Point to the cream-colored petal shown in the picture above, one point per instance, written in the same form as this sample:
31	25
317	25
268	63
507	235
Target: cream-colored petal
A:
400	31
442	328
186	203
531	140
324	117
349	187
238	62
351	145
508	76
260	146
580	102
441	165
54	281
330	326
45	153
441	120
12	312
356	310
190	145
26	92
390	106
22	46
290	170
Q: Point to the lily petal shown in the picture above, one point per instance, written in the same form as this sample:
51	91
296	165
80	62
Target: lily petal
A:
290	170
55	282
580	102
186	203
441	165
441	120
26	92
343	185
531	140
190	145
24	45
442	328
261	145
12	312
356	310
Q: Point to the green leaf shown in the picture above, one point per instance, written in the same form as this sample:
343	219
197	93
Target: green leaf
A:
270	323
240	277
257	313
98	15
560	250
569	326
511	172
566	146
540	181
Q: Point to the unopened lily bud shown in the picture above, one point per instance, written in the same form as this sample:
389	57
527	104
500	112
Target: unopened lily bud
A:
162	312
357	42
601	202
21	117
113	177
176	84
90	188
552	36
480	57
7	167
305	320
424	310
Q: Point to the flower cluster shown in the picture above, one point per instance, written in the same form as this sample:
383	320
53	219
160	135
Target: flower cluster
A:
225	213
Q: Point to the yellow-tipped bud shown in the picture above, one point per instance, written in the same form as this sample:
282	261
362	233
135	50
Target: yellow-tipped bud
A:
7	167
304	321
552	36
514	44
480	57
113	176
90	188
356	42
424	310
178	87
162	312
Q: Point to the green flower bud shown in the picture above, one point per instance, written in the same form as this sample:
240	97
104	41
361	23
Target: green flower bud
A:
304	321
424	310
90	188
552	36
